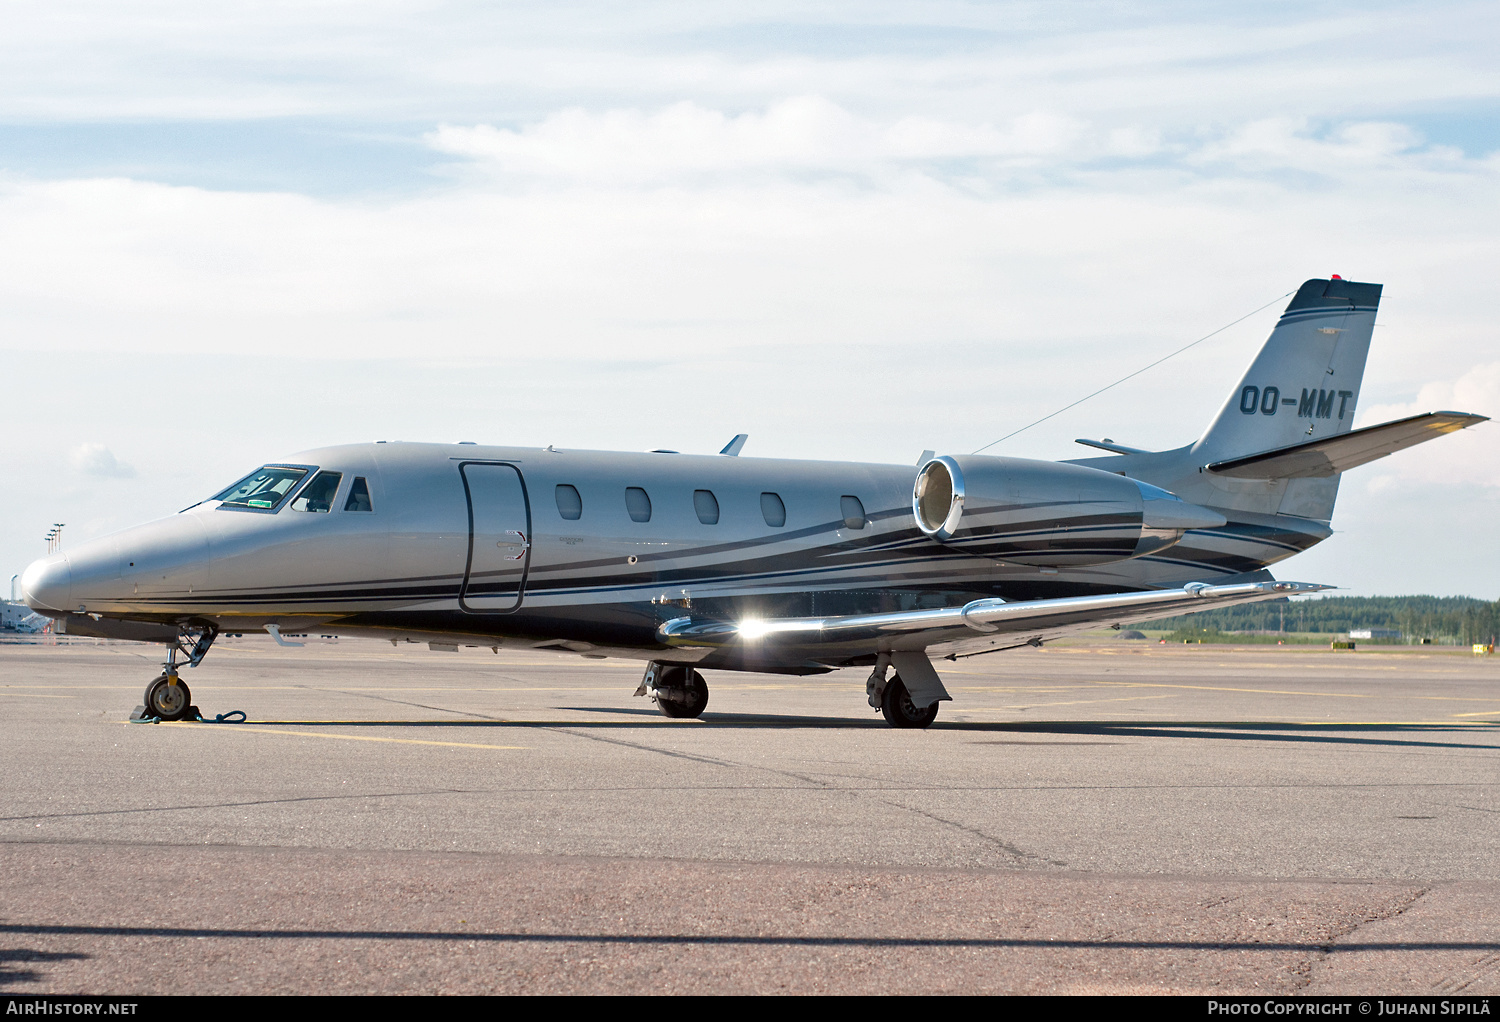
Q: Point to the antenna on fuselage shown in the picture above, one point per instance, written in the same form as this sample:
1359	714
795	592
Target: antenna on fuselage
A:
733	448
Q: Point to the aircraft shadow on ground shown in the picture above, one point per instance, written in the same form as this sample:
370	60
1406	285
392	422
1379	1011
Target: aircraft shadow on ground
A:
13	960
1330	733
743	940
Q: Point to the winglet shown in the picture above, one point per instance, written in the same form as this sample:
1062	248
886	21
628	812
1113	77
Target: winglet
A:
733	448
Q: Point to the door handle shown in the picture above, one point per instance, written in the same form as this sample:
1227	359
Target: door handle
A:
524	544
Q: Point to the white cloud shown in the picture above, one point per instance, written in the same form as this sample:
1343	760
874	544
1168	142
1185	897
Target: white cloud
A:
412	60
1471	456
98	460
803	134
801	223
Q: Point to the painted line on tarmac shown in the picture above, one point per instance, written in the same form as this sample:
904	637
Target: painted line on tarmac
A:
1086	702
349	738
1223	688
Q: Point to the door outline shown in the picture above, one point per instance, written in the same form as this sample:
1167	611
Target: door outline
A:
526	539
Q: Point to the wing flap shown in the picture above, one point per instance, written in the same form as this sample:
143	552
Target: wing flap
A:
1336	454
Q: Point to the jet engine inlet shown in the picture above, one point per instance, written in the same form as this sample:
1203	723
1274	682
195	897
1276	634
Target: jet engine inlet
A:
938	497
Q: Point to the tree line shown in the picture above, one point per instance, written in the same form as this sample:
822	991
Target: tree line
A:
1461	619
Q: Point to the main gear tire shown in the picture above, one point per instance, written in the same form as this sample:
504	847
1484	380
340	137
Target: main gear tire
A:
681	692
900	711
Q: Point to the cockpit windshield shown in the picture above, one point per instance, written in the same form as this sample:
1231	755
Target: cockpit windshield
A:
262	490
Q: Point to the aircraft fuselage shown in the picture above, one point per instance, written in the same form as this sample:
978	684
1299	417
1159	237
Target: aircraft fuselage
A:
594	551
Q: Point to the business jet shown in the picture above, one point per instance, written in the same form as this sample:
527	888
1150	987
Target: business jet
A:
696	563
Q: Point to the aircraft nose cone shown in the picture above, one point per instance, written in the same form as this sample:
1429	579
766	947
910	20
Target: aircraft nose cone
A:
48	583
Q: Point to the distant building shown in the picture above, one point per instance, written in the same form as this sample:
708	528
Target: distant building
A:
1374	633
17	617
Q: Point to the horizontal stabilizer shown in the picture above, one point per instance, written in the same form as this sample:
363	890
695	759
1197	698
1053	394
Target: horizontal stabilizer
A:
1329	456
1109	445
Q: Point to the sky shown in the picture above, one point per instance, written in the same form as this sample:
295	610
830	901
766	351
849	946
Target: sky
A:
852	231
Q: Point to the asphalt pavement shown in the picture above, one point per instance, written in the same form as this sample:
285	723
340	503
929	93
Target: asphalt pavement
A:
1105	817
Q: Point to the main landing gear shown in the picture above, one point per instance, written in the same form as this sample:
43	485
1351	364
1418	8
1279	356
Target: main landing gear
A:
168	697
891	698
677	690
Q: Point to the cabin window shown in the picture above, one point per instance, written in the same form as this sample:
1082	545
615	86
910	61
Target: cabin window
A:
318	495
569	503
638	503
707	506
772	510
854	512
359	496
261	490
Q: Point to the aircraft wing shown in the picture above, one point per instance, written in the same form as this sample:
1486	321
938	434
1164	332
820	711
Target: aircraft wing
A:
976	627
1337	454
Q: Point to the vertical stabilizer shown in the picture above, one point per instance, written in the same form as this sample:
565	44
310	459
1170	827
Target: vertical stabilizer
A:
1304	383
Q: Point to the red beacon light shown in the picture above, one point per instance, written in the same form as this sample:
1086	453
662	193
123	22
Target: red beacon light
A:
1335	276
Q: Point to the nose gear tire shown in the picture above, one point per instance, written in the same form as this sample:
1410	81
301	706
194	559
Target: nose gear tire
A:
168	701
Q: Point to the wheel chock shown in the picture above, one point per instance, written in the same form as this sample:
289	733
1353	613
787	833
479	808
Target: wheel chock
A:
193	715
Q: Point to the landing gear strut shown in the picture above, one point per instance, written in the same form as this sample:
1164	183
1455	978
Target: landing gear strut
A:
168	697
677	691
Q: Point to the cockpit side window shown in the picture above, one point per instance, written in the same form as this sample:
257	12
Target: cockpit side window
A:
359	496
262	490
318	495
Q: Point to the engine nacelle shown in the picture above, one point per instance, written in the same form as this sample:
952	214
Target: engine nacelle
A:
1046	513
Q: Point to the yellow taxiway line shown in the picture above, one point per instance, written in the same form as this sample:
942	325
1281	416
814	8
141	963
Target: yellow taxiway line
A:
349	738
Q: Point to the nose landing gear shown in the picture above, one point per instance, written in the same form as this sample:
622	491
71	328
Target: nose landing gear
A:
168	697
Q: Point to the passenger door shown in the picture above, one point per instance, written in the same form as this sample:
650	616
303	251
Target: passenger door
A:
499	538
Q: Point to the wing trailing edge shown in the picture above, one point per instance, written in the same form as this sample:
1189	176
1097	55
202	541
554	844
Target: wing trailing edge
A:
976	625
1331	455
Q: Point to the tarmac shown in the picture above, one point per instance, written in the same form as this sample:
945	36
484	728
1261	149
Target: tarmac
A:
1103	817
